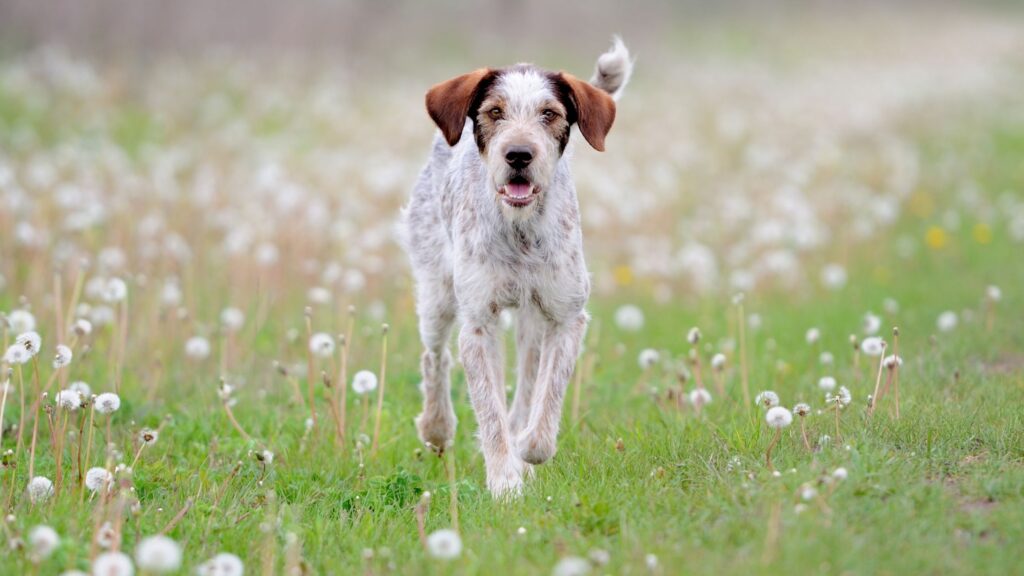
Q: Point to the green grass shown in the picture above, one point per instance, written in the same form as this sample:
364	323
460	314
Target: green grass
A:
941	490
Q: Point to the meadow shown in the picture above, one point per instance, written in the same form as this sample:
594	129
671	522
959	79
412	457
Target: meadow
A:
211	245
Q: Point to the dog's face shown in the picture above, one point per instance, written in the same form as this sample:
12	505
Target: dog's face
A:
521	120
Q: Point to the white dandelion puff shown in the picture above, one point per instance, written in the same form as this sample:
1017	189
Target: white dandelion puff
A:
364	382
873	346
148	436
841	399
871	324
947	321
82	388
778	417
158	555
812	336
30	341
21	321
700	397
648	358
827	383
993	293
42	541
115	291
232	319
16	355
68	399
892	361
321	344
444	544
840	473
108	403
40	489
197	348
62	357
718	361
97	479
82	327
833	276
223	564
768	399
629	318
113	564
693	336
571	566
802	409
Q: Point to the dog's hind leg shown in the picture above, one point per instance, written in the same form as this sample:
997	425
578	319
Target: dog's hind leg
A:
436	310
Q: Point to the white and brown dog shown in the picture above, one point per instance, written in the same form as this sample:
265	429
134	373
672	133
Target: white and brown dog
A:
494	223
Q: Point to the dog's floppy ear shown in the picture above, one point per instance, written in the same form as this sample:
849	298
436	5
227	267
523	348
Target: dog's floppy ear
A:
594	109
449	102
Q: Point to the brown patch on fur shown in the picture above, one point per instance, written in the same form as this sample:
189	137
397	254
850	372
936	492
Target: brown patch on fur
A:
450	102
593	108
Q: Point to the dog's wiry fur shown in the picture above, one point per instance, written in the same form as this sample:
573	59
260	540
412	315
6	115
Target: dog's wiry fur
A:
494	224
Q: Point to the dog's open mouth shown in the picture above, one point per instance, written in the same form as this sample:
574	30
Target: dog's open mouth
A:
518	192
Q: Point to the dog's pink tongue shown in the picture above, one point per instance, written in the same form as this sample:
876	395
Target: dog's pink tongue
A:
517	191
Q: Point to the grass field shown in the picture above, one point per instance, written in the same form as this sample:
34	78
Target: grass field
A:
644	482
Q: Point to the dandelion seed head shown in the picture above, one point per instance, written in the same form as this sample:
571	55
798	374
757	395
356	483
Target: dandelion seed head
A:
827	383
115	291
30	341
718	361
82	388
871	324
767	398
62	357
700	397
197	348
148	436
833	276
82	327
648	358
444	544
802	409
364	382
629	318
21	321
113	564
232	319
841	399
873	346
40	489
778	417
993	293
98	478
108	403
223	564
892	361
321	344
68	399
840	473
571	566
947	321
16	355
42	541
813	335
693	336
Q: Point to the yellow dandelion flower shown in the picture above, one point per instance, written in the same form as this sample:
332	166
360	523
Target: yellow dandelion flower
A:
623	275
982	233
936	238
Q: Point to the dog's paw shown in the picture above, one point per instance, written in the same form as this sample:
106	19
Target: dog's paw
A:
535	447
505	480
437	429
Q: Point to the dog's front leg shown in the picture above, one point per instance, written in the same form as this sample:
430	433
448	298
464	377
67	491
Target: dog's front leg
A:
559	350
481	355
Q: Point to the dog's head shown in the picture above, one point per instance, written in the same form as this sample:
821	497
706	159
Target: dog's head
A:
521	120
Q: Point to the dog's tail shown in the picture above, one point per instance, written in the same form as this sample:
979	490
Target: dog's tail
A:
613	69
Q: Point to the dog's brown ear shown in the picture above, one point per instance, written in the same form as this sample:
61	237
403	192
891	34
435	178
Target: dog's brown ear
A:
595	109
449	102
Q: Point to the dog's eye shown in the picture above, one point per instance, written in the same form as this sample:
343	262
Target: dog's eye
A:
549	115
494	113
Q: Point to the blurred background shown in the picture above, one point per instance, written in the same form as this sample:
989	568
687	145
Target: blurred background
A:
759	144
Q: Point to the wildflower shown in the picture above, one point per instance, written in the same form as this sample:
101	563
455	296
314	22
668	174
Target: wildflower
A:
826	359
892	362
232	318
40	489
223	564
21	321
113	564
30	341
871	324
993	293
768	399
947	321
148	436
718	361
321	344
778	417
840	399
444	544
69	400
807	492
82	327
108	403
106	536
42	541
873	346
197	348
693	336
63	357
648	358
364	382
827	383
629	318
833	276
571	566
840	473
82	388
115	291
699	397
651	561
813	335
16	355
802	409
98	478
158	555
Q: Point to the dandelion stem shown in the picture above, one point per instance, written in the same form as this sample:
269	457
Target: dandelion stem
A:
771	446
803	433
380	388
743	356
177	517
3	408
878	381
234	422
453	490
35	424
343	375
88	447
309	364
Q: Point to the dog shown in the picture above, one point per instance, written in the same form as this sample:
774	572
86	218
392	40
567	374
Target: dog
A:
493	224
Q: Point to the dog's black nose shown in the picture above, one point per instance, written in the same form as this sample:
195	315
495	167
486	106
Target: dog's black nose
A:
519	156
